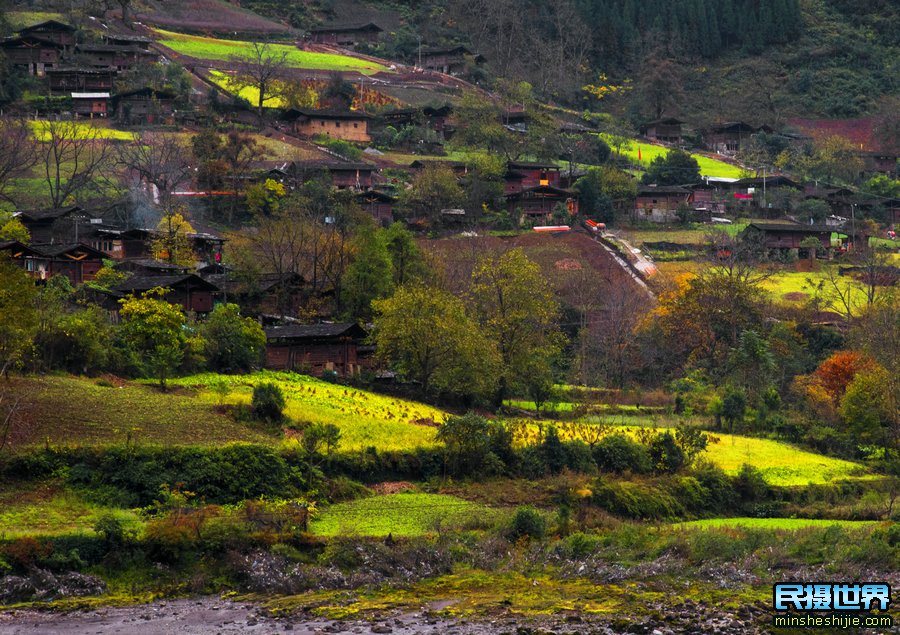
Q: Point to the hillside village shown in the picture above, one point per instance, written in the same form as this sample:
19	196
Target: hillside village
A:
325	308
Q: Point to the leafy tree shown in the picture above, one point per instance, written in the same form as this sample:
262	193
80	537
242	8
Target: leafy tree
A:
406	258
74	160
734	407
154	332
172	243
20	319
338	93
518	311
836	372
474	445
268	402
752	363
369	277
11	228
592	200
434	189
232	343
665	453
868	407
677	167
75	341
429	338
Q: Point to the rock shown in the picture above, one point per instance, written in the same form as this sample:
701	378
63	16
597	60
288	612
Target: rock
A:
382	628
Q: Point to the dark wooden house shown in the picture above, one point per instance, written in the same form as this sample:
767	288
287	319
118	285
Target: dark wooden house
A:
55	225
53	31
90	104
116	57
451	60
881	162
345	34
64	80
659	203
144	105
539	202
79	263
349	125
379	204
522	175
667	130
314	348
728	136
343	174
189	291
786	236
35	54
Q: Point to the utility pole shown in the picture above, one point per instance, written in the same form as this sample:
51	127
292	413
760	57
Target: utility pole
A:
420	50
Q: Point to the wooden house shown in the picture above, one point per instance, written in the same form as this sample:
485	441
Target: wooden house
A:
52	31
144	105
78	262
786	236
151	267
116	57
459	168
666	130
345	34
349	125
379	204
189	291
55	225
90	104
314	348
521	175
118	39
728	137
451	60
540	201
259	294
881	162
35	54
660	203
18	253
343	174
64	80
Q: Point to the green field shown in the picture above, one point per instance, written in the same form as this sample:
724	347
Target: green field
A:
22	19
84	130
250	93
223	50
46	510
789	282
648	152
364	418
785	524
405	514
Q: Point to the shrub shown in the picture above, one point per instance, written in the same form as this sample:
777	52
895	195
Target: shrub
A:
750	484
527	523
617	453
232	343
578	546
635	500
111	529
268	402
665	453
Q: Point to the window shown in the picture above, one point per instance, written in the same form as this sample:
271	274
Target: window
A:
356	125
337	124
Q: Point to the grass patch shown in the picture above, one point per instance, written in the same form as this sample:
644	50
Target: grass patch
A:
404	514
649	151
84	131
804	282
365	419
23	19
250	93
774	524
215	49
46	509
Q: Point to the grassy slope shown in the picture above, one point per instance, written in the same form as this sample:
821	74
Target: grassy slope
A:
648	152
103	132
786	524
214	49
405	514
22	19
365	419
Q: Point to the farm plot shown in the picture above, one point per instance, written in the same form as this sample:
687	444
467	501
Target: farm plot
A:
775	524
644	153
223	50
405	514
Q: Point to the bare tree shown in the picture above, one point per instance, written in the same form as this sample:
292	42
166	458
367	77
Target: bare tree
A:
261	68
74	159
159	160
18	153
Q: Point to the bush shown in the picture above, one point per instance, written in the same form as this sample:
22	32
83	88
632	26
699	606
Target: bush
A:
635	500
528	523
578	546
232	343
750	484
618	453
665	453
268	402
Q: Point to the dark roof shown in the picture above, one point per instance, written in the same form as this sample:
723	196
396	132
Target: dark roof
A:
81	70
796	228
650	190
669	121
296	113
15	245
129	38
375	195
109	48
315	331
447	50
338	28
545	190
438	111
733	125
146	92
334	166
773	180
53	24
531	165
12	41
149	263
45	214
145	283
55	250
424	163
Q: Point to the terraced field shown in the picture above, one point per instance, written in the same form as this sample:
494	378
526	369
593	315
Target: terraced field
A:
208	48
644	153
